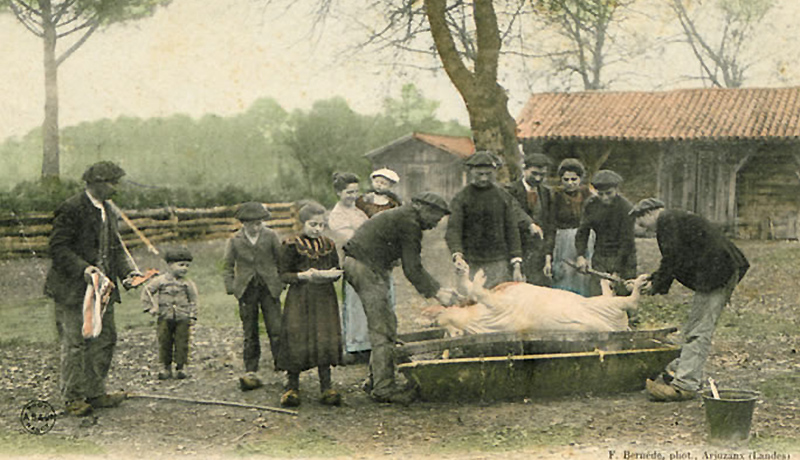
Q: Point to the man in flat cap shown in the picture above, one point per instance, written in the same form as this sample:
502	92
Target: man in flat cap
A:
85	243
370	255
250	272
483	231
536	224
607	215
700	257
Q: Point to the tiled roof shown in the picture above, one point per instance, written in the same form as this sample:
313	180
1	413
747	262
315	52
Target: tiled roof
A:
459	146
744	113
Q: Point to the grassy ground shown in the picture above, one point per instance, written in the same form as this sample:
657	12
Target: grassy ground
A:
755	347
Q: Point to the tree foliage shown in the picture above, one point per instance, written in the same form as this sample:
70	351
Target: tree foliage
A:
71	22
263	153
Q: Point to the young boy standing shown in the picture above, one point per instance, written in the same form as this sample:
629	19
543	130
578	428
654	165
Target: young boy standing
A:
251	275
174	299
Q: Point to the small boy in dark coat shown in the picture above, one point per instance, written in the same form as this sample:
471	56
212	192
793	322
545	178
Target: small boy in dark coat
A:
173	298
251	275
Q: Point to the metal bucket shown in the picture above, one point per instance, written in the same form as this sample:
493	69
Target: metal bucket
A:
729	417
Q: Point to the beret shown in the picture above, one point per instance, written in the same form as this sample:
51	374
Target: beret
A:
646	205
252	210
387	173
181	254
482	158
103	171
538	160
432	199
606	178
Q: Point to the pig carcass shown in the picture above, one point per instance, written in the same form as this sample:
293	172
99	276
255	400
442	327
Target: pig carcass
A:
522	307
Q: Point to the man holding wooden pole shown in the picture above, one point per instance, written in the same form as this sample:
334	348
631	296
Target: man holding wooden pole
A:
85	243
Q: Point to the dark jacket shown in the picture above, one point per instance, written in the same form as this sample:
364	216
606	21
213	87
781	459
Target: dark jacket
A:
484	225
244	261
695	253
75	245
615	243
545	220
389	236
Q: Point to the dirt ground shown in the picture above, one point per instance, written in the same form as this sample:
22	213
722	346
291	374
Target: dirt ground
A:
756	347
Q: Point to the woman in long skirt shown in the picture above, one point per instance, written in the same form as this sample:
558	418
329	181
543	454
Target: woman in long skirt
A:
568	200
343	221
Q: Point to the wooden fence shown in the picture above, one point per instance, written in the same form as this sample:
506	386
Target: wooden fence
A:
27	235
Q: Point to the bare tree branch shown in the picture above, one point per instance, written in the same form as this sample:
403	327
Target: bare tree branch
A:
68	52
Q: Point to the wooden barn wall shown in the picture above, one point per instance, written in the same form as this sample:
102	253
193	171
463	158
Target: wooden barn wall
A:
768	193
422	167
636	162
701	177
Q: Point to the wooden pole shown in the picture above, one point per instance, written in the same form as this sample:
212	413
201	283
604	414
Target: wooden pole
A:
212	402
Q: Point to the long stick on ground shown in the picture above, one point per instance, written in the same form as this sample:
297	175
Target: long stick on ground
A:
213	403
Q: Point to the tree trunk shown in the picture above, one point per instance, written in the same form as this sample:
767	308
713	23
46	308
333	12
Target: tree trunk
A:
493	127
50	153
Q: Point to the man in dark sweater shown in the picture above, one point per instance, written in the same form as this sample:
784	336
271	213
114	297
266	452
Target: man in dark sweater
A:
483	228
697	255
536	227
370	255
607	215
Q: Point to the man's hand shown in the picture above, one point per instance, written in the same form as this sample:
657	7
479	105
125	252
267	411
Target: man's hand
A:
88	272
647	287
548	266
446	296
132	280
517	276
536	231
459	262
581	264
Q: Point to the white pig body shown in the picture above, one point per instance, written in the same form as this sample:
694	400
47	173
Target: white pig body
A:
522	307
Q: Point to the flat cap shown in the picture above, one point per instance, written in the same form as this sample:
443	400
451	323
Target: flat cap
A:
606	178
181	254
103	171
387	173
432	199
538	160
482	158
252	210
646	205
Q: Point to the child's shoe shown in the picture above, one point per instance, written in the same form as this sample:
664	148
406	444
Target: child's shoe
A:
180	374
166	373
331	397
249	382
290	399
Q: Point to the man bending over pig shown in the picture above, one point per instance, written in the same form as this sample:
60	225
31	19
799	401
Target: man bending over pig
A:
370	254
697	255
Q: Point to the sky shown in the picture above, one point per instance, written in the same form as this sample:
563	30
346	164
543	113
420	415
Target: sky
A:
198	56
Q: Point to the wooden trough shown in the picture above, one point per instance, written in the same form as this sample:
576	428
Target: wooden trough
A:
491	367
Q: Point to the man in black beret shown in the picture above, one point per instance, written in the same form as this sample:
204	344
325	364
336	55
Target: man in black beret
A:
536	226
483	230
615	245
700	257
85	242
370	255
